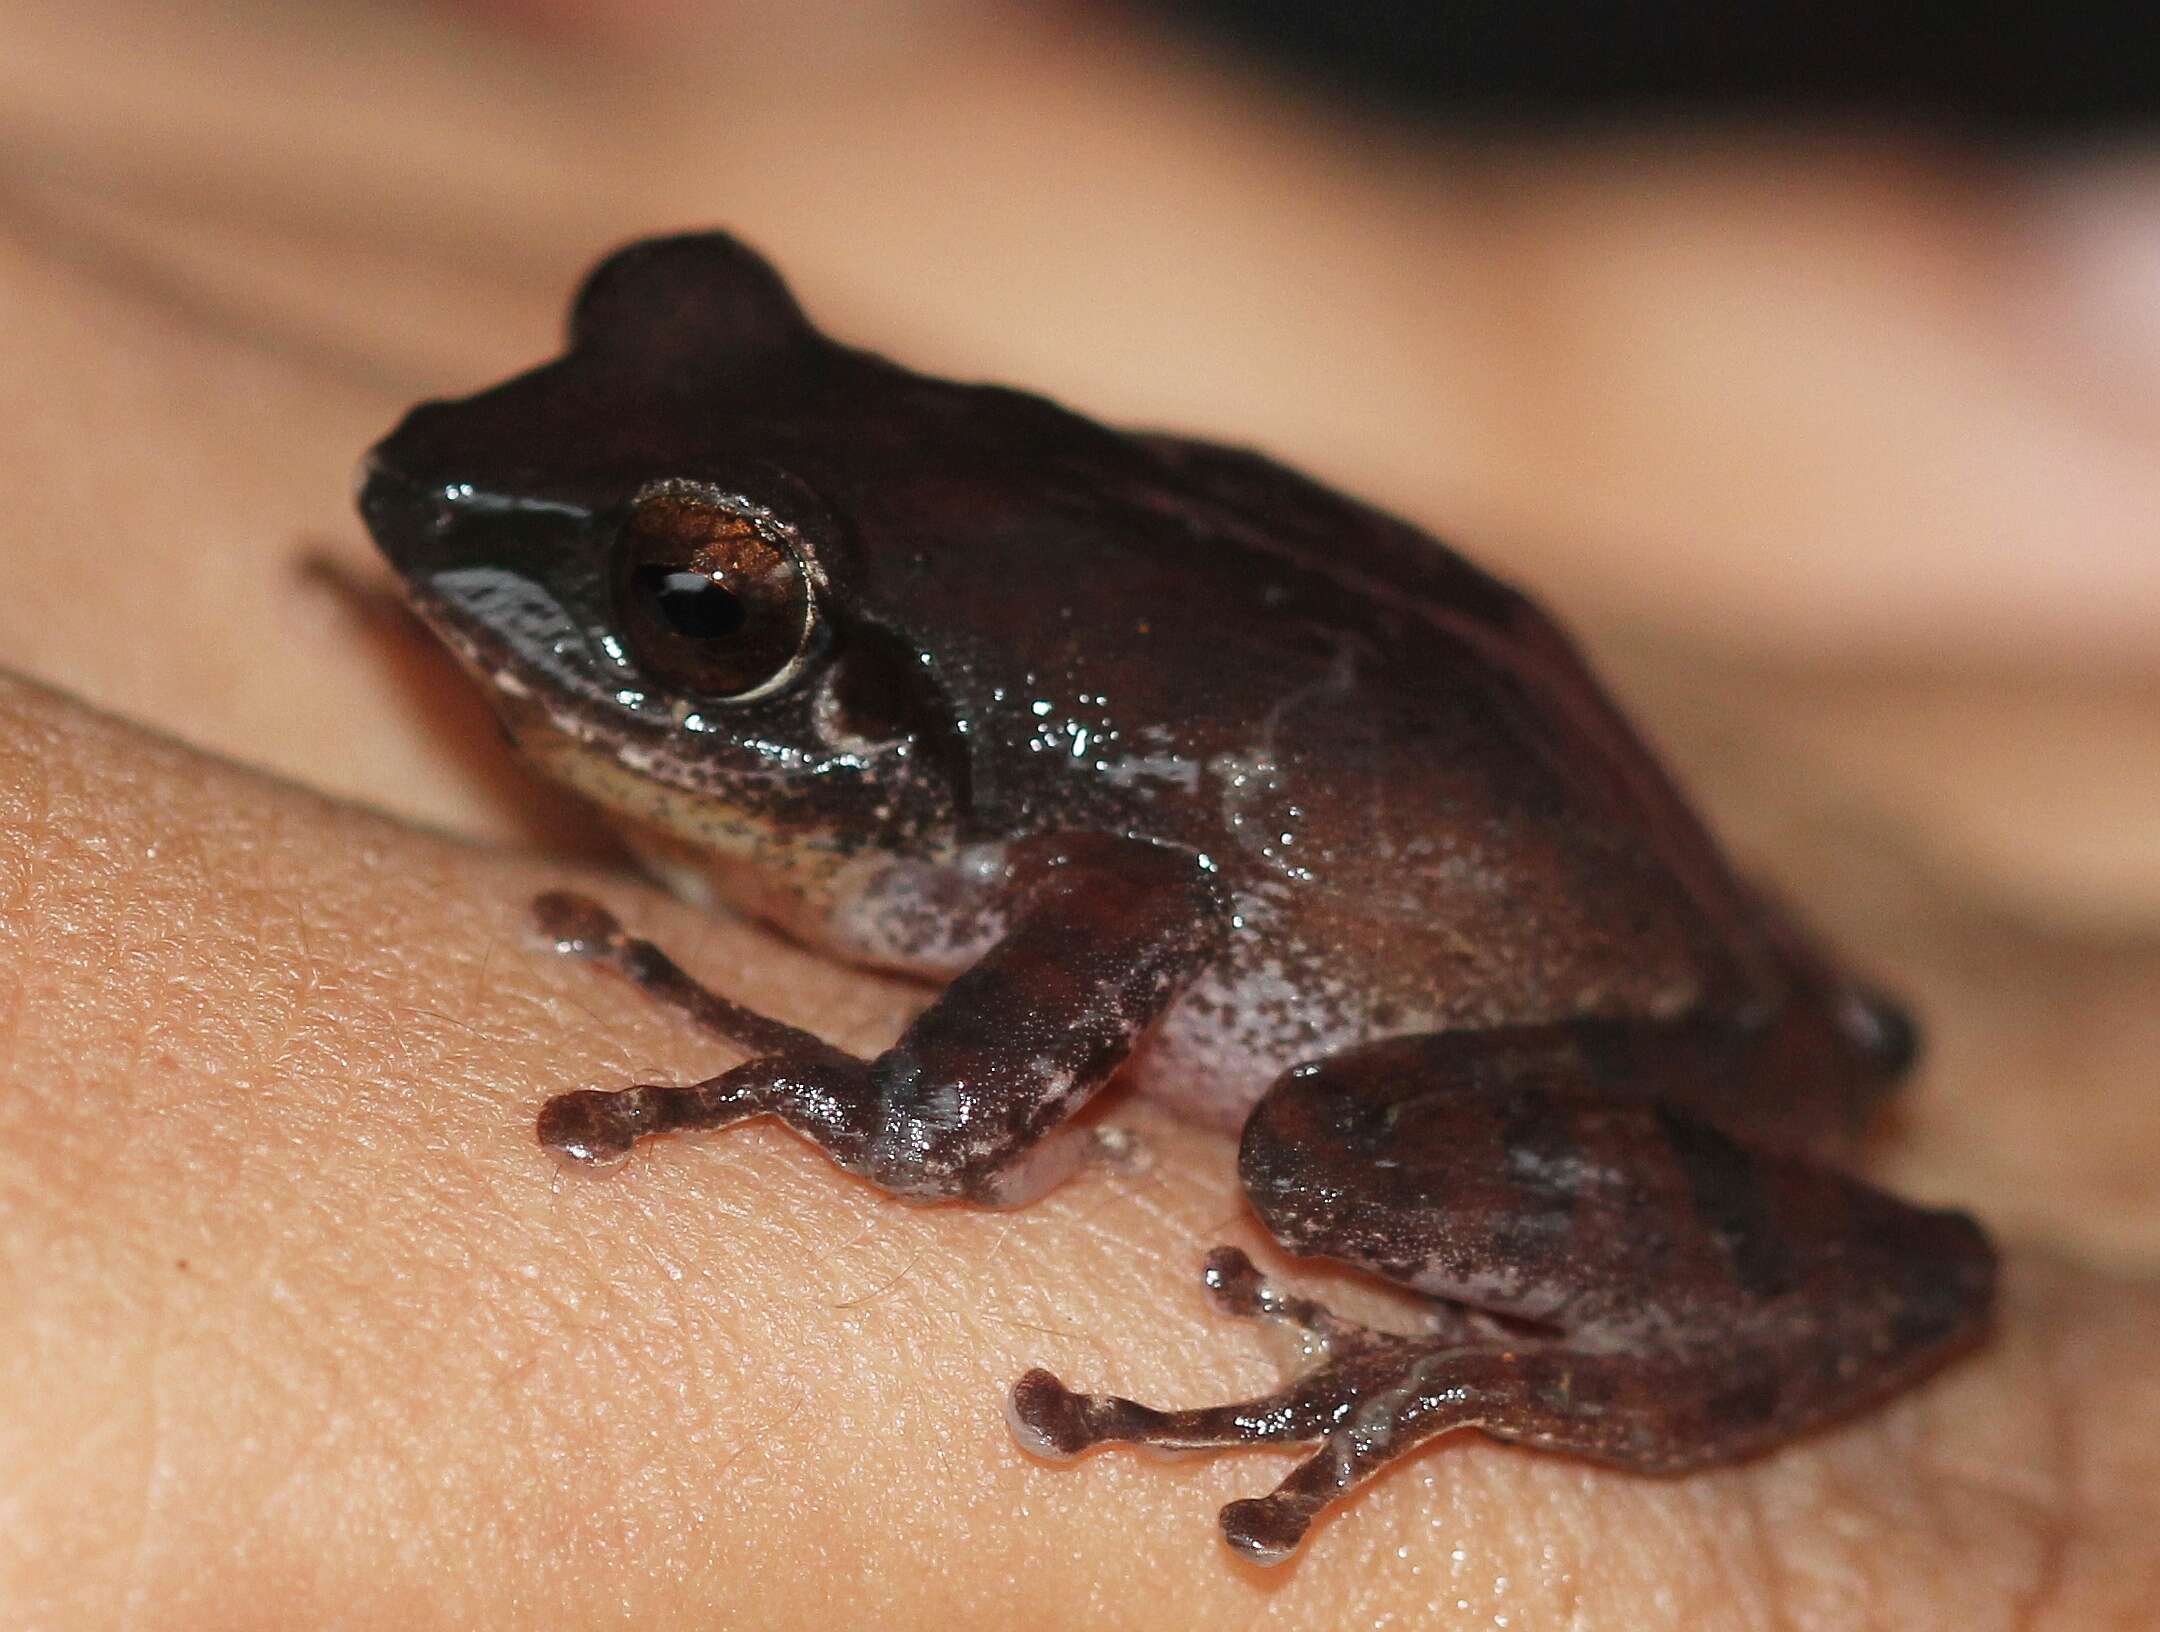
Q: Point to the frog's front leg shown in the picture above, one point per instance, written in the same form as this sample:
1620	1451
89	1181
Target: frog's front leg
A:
1102	934
1662	1296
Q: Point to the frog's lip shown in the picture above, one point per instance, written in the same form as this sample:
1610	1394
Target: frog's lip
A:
641	734
550	656
492	660
520	692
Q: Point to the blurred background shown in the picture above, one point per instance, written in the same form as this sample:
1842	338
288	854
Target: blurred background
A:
1810	368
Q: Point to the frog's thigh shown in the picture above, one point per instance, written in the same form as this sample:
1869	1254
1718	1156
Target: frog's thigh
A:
1513	1171
1671	1297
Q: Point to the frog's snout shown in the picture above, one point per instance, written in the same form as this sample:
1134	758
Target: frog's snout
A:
402	514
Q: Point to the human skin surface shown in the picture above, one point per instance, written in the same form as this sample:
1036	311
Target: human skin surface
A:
298	1326
302	1320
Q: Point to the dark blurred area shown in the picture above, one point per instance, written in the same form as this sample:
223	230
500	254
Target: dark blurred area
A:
2009	68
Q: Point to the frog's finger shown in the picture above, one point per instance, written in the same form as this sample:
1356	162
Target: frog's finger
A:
578	926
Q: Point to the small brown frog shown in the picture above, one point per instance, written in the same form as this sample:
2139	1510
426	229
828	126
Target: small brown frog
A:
1182	769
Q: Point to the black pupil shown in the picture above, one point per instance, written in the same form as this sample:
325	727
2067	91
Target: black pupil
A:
692	605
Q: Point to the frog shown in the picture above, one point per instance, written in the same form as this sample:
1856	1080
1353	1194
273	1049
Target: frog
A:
1164	765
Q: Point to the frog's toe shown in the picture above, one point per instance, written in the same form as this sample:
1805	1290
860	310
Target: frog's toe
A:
1047	1418
591	1127
1263	1528
1238	1288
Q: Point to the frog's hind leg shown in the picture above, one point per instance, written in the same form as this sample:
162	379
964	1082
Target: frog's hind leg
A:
1621	1280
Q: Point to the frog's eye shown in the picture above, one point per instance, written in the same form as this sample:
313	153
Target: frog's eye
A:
709	603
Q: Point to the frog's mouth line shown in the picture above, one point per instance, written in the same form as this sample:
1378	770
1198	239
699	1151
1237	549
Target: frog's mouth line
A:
646	740
708	823
494	662
643	768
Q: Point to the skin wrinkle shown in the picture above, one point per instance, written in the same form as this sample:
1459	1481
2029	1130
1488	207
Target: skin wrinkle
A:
137	1594
2054	1525
2053	1511
309	1392
1934	1499
1772	1579
295	1009
1843	1495
76	240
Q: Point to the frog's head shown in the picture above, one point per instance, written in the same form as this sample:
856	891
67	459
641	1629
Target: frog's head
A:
622	549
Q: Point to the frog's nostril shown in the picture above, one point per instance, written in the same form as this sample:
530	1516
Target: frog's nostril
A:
399	511
1881	1030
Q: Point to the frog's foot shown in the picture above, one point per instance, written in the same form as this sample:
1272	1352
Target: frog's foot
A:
1370	1398
1657	1295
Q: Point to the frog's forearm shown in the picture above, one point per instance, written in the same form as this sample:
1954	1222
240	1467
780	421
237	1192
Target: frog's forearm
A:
1105	935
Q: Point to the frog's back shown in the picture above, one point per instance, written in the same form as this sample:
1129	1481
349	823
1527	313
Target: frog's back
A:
1435	820
1432	815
